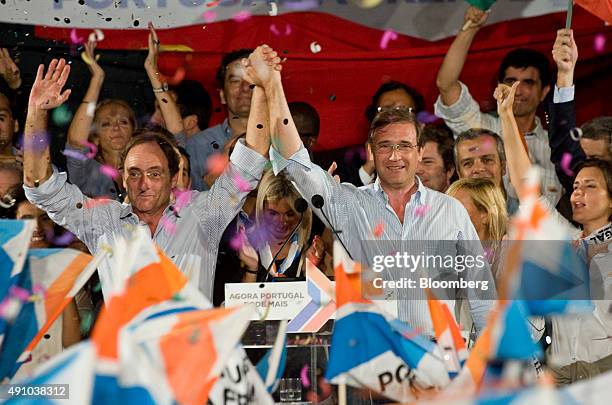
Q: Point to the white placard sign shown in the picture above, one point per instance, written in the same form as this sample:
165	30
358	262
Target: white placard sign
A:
284	299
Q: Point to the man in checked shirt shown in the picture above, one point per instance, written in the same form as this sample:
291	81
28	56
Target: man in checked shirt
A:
461	112
405	212
187	227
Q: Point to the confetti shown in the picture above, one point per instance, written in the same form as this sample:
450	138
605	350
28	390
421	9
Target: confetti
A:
367	3
425	117
64	239
315	47
109	171
178	76
217	163
168	225
86	58
209	16
273	9
599	43
183	198
74	38
93	149
378	230
96	36
20	293
304	376
241	16
39	289
9	309
576	134
565	164
96	202
274	30
421	210
386	37
74	154
242	184
213	3
61	115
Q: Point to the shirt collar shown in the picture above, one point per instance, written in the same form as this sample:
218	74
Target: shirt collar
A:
419	196
537	129
127	211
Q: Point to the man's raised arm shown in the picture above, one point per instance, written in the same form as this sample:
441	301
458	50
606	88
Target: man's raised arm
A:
450	70
46	94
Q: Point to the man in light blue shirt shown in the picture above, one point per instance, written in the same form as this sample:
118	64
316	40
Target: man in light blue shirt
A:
187	227
382	216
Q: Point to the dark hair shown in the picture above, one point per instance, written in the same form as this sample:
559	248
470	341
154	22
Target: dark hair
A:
11	103
391	116
193	99
474	133
166	144
444	139
308	111
372	109
226	60
524	58
598	128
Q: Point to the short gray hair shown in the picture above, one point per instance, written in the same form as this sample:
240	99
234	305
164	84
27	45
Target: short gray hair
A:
474	133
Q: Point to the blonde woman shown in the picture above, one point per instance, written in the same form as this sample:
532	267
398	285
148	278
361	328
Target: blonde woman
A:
276	216
486	206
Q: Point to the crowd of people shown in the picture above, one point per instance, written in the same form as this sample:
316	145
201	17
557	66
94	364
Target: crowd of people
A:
242	201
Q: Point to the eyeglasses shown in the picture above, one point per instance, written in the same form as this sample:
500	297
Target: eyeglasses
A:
388	148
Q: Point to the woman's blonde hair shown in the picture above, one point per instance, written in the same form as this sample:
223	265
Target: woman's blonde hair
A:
487	197
274	188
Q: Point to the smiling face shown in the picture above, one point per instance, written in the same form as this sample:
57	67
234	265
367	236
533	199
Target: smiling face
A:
478	158
280	218
44	225
529	93
396	168
431	170
236	93
591	202
147	179
114	127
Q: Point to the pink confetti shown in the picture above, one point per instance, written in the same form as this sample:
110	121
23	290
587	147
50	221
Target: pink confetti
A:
74	38
386	37
74	154
426	117
274	29
304	376
241	183
20	293
93	150
209	16
565	164
217	163
39	289
378	230
109	171
96	202
213	3
183	198
241	16
168	225
599	43
421	210
64	239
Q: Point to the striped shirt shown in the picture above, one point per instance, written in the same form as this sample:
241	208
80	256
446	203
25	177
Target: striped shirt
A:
368	223
465	114
189	236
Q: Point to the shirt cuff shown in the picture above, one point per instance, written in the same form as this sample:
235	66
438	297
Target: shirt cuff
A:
365	177
279	163
457	109
247	160
563	94
47	189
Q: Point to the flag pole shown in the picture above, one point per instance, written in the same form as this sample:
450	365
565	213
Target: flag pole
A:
568	18
341	390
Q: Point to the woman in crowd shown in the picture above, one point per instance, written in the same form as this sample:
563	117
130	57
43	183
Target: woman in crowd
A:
276	216
97	137
581	344
486	207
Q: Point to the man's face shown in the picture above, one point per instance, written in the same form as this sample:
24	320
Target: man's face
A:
396	98
8	125
596	148
478	158
236	93
44	226
8	180
147	179
186	180
529	93
396	169
431	169
306	129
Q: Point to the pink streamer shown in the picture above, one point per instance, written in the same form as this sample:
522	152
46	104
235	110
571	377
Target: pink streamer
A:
241	16
565	164
386	37
109	171
304	376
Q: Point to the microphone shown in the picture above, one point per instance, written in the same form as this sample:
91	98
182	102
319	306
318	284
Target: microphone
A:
300	206
318	202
